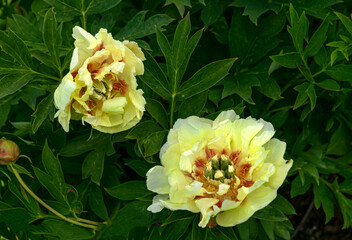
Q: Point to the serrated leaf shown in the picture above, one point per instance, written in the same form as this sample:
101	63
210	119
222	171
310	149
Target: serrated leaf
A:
211	12
270	214
298	28
140	167
345	205
129	190
176	230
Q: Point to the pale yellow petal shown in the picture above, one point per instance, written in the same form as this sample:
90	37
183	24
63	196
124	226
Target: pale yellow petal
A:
157	180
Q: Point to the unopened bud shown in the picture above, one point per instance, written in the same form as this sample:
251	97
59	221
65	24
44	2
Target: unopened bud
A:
9	151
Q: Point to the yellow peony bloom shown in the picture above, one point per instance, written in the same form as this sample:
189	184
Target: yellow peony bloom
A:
225	169
101	86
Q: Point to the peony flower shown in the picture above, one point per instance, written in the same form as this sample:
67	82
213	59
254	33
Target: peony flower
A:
9	151
225	169
101	86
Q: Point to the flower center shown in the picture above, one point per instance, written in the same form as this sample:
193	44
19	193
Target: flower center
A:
219	169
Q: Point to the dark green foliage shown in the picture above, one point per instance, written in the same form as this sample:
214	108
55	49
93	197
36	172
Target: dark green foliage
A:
287	62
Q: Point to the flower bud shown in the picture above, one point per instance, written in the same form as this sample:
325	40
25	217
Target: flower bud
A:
9	151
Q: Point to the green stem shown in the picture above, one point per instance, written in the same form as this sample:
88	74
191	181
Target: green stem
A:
327	184
23	184
172	111
84	21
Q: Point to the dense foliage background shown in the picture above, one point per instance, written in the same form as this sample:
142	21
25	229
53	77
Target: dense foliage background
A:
293	69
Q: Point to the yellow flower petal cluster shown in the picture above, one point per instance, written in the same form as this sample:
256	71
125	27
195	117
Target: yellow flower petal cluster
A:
225	169
101	86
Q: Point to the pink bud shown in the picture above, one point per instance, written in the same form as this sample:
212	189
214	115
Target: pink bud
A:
9	151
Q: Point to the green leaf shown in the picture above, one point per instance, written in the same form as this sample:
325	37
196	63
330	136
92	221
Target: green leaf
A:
140	167
44	108
5	110
288	60
143	130
9	67
12	83
138	27
17	219
153	142
323	196
312	96
193	105
180	4
340	142
302	94
175	231
84	143
345	205
211	12
52	37
67	231
96	202
133	214
227	232
49	183
270	88
205	78
157	111
270	213
345	21
66	10
346	186
14	46
283	205
155	78
298	28
329	84
340	72
317	40
93	166
297	188
52	166
242	85
311	170
28	201
163	43
255	8
248	230
129	190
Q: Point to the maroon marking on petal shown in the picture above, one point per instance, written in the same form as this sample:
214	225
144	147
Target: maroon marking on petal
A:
200	163
187	174
219	204
247	183
74	74
224	152
101	47
243	170
120	86
210	153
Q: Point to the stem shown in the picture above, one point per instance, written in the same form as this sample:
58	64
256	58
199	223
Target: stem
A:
304	219
45	205
172	111
88	221
327	184
84	21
